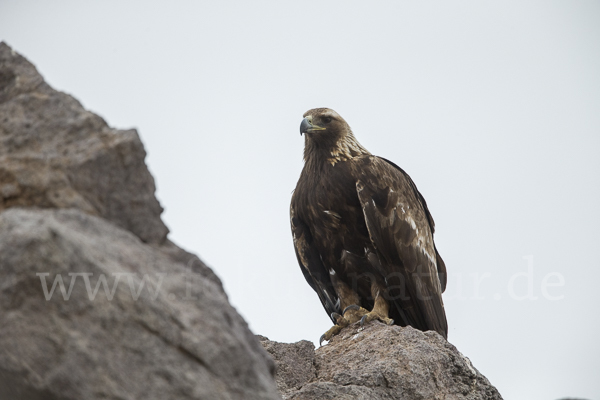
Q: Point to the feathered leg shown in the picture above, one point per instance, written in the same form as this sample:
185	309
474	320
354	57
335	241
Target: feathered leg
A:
381	308
352	313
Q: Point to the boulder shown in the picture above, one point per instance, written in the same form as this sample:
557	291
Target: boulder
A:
375	362
95	301
56	154
295	363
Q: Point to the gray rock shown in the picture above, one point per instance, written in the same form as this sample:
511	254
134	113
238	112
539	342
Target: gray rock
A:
77	203
56	154
167	332
378	362
295	363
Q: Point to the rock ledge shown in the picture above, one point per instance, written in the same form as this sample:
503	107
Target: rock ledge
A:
377	362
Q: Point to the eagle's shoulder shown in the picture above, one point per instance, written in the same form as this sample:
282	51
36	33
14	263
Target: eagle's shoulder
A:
368	162
391	168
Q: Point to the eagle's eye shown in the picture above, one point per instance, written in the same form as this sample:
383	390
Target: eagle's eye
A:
326	119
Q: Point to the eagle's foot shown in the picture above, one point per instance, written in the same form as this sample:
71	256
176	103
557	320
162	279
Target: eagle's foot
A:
351	315
334	330
354	313
373	315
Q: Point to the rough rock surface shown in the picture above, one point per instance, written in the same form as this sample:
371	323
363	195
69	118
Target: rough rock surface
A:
56	154
77	203
378	362
295	363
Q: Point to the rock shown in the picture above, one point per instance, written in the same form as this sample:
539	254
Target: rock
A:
295	363
56	154
136	317
96	302
378	362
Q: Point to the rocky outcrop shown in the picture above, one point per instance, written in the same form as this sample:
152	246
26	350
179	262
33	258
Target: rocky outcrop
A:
56	154
378	362
95	302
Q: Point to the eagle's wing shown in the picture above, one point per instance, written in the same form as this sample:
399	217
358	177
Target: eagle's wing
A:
401	230
312	266
441	265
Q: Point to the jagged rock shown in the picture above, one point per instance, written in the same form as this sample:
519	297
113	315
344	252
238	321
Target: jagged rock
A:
56	154
378	362
295	363
77	203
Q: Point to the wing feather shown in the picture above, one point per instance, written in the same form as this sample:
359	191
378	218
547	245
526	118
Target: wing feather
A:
312	266
401	230
441	265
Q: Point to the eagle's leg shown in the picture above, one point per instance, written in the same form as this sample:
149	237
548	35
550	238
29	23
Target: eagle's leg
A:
352	314
381	308
348	302
334	330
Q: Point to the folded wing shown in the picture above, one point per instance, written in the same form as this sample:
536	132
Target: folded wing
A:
401	230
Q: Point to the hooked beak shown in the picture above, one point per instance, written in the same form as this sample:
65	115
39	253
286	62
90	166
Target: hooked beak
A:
306	126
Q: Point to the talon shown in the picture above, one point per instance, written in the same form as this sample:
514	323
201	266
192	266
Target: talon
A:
391	322
351	307
363	319
334	330
335	316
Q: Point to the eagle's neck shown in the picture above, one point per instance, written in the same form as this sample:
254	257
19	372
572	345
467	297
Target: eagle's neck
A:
343	149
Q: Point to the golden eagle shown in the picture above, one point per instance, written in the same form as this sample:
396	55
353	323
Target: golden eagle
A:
363	234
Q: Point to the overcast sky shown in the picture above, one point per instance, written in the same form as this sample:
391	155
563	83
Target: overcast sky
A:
492	108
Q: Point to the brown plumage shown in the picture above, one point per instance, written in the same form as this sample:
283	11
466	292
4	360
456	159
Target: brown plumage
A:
363	234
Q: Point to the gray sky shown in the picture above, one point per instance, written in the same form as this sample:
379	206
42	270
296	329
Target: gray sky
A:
492	108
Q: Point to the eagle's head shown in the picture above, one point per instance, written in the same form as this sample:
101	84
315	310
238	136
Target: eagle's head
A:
329	136
324	125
